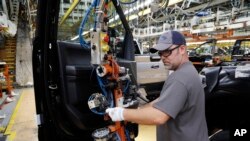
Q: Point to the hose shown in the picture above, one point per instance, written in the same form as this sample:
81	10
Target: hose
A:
82	41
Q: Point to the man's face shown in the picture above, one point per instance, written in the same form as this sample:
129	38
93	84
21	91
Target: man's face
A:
171	57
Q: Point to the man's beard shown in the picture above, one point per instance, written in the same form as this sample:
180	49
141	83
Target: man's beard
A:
168	67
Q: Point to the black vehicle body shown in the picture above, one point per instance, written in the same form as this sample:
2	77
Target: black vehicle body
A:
64	79
227	99
241	50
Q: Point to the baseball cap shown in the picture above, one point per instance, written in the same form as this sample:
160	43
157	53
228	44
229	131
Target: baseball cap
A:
168	39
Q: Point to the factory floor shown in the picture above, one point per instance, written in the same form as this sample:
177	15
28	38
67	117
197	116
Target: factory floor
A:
22	122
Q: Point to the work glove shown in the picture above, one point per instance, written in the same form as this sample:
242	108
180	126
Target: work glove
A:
116	114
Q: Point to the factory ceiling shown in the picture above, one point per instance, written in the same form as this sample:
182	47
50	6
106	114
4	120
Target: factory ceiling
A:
197	19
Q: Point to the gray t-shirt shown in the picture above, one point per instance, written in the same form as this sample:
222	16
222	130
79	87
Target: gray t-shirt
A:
183	99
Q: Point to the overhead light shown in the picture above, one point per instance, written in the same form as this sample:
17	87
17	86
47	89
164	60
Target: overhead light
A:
225	41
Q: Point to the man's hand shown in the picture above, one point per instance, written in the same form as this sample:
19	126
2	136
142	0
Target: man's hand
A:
116	114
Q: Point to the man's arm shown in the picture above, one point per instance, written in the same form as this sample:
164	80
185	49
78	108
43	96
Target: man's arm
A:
146	114
148	104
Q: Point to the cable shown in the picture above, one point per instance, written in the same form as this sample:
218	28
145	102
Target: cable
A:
102	86
108	95
95	17
118	137
111	100
82	41
127	135
154	20
127	86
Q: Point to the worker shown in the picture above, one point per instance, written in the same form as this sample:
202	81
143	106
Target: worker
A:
179	111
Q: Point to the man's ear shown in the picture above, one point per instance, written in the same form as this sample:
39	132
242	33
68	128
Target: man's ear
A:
183	49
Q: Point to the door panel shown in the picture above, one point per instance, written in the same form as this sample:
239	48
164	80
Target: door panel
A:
78	82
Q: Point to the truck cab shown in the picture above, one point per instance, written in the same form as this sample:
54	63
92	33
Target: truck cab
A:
205	54
241	50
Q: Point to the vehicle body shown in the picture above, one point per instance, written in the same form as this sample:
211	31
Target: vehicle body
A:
69	83
227	99
204	54
241	50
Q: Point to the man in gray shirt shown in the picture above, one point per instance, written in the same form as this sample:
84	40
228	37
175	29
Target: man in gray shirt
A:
179	112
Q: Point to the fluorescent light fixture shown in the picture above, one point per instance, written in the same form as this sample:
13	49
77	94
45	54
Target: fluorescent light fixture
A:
194	43
226	41
220	41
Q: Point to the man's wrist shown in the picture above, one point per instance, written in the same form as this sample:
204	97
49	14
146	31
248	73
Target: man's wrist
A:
121	114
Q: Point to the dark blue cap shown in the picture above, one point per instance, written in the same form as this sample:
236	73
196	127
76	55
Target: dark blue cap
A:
168	39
